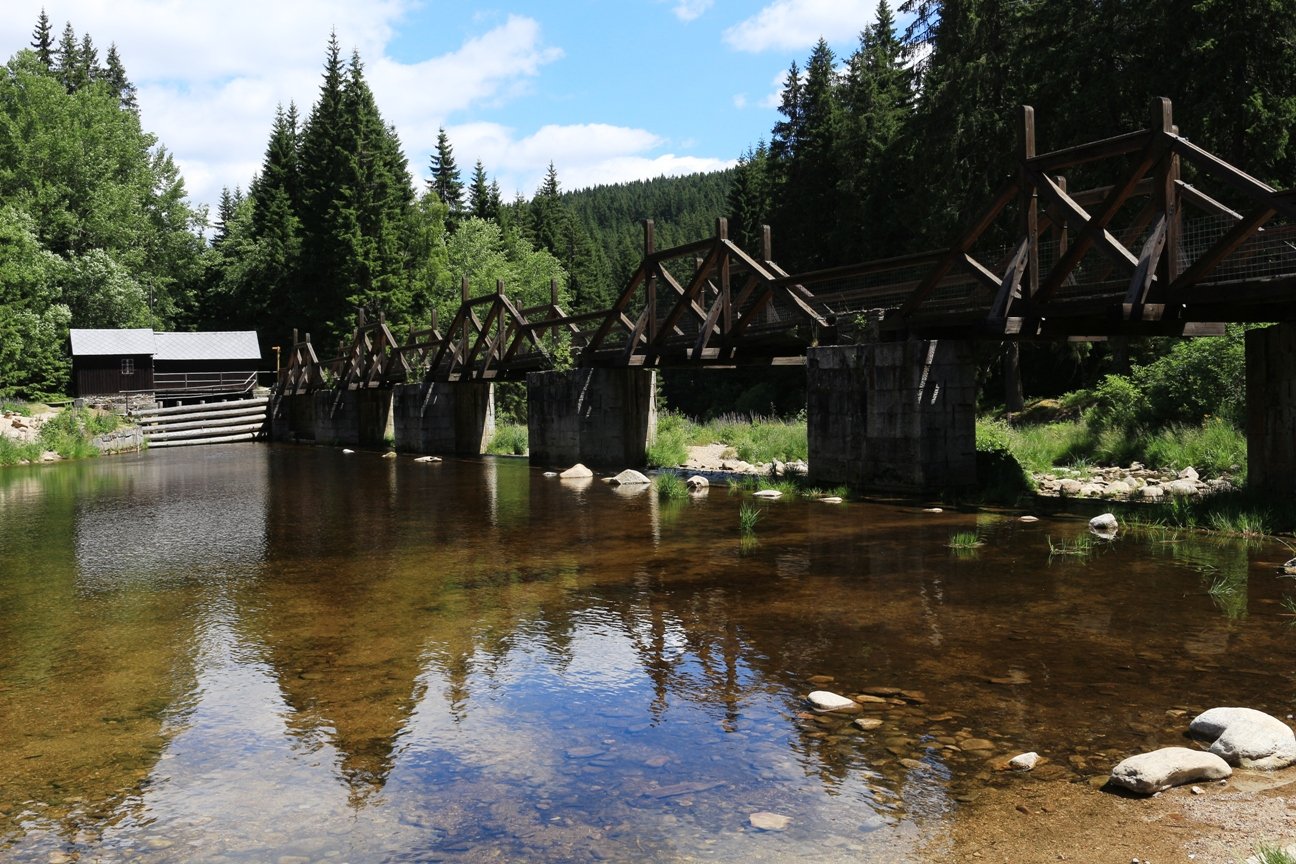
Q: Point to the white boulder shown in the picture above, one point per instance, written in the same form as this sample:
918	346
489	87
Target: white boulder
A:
697	481
1104	524
770	494
1148	773
576	472
630	477
1024	761
824	700
1246	738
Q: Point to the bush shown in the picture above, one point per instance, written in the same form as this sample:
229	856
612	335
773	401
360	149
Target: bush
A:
1000	475
1199	378
1116	403
670	447
509	440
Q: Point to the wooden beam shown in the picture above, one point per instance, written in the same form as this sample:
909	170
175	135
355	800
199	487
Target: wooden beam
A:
1145	272
955	253
1224	247
1011	282
1094	151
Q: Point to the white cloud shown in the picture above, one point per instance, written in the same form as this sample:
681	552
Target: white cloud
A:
584	155
691	10
797	24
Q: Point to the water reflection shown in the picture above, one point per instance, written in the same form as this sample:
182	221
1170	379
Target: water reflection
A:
261	652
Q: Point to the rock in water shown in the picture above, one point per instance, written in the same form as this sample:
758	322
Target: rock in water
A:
426	459
824	700
697	481
1104	524
768	493
630	477
576	472
347	450
390	454
1162	769
765	821
1024	761
1246	738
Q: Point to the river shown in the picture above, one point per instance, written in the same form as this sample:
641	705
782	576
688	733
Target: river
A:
291	654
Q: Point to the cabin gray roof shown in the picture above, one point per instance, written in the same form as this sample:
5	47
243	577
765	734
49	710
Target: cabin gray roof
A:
92	342
218	345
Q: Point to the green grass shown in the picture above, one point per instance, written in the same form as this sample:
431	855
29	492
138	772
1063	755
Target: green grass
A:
20	408
13	451
964	540
1269	853
669	487
752	439
748	516
670	447
510	440
1081	546
1213	448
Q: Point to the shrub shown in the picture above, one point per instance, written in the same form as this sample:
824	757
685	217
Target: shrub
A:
1000	475
1116	403
670	447
510	440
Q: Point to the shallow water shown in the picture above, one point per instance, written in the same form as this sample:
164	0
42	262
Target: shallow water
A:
256	653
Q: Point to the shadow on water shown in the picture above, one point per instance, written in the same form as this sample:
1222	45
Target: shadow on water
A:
262	652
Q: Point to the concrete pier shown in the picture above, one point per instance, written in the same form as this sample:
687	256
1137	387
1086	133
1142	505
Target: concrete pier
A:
892	416
1271	409
451	418
604	418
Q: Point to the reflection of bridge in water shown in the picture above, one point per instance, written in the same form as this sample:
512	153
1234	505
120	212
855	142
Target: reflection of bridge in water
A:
1171	240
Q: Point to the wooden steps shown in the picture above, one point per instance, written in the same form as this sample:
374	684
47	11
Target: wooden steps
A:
209	423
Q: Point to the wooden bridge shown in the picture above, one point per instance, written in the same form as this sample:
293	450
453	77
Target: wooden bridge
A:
1175	241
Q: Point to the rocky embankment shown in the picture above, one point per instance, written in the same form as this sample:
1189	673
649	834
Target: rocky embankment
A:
1135	483
26	430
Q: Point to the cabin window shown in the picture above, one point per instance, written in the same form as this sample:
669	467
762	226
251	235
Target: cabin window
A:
128	366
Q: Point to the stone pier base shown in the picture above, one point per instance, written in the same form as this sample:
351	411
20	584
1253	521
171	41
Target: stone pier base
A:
452	418
353	418
604	418
1271	409
892	416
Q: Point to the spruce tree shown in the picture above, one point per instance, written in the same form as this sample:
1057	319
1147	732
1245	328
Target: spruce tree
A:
89	59
115	76
479	194
43	40
445	181
67	60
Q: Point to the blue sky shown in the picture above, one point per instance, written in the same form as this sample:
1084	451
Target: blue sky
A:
609	90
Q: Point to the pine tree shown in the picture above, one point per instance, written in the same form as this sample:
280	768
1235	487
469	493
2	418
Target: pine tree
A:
89	59
748	202
328	218
115	76
67	60
224	215
479	194
43	40
445	181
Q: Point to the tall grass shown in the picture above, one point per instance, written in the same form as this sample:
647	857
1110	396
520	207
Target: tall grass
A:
1268	853
748	516
964	540
509	440
669	487
13	451
1213	447
670	447
68	433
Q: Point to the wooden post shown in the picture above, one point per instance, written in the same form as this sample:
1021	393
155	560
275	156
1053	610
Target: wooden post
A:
467	320
1167	198
767	246
650	284
726	299
1030	203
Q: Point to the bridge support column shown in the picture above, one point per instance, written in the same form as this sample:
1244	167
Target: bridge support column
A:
1271	409
444	417
357	418
604	418
892	416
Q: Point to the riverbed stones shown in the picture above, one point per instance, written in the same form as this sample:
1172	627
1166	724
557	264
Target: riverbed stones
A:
867	724
1024	761
576	472
1152	493
1149	773
825	700
630	477
1246	738
766	821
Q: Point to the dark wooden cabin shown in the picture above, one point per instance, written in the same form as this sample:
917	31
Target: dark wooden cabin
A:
141	361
